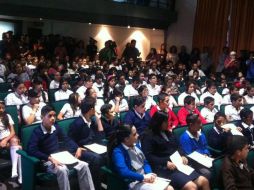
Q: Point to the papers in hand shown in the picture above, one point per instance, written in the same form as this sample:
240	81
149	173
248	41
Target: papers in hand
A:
178	161
97	148
233	129
202	159
161	183
64	157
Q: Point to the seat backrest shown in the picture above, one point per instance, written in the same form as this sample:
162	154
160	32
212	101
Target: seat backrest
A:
216	173
26	133
122	116
12	110
222	108
178	131
57	105
3	95
65	124
51	94
248	106
206	128
176	109
250	159
5	87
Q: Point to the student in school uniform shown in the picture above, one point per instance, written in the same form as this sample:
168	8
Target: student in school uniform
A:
189	107
129	162
153	88
108	120
236	174
31	112
233	111
232	90
71	108
189	91
138	115
209	110
163	100
8	140
211	91
63	93
158	145
44	142
17	97
247	126
143	91
217	136
194	140
132	89
249	97
87	129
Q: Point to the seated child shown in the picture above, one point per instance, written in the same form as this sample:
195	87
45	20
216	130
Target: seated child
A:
128	160
189	107
235	171
44	141
9	140
246	125
233	111
209	110
194	140
217	136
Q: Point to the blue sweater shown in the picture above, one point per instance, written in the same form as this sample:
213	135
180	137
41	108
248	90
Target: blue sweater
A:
190	145
42	145
82	134
132	118
122	165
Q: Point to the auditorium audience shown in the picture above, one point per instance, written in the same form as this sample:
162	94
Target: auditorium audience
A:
41	66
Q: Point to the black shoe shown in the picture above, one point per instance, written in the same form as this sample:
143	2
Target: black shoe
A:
14	183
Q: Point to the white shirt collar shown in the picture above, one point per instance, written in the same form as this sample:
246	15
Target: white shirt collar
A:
247	126
217	131
141	117
191	136
53	128
88	123
125	147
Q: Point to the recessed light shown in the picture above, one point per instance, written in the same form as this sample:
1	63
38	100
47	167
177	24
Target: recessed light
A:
41	18
128	26
89	23
153	28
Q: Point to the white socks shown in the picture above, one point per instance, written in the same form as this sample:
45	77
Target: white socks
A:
16	163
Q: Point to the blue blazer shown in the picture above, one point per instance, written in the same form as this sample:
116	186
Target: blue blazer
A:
122	164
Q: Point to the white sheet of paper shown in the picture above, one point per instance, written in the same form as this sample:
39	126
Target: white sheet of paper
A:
202	159
161	183
178	161
97	148
64	157
233	128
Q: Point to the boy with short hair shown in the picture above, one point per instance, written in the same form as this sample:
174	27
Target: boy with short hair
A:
209	110
44	142
233	111
189	108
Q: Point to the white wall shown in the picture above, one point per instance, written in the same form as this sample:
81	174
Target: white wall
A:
146	38
181	32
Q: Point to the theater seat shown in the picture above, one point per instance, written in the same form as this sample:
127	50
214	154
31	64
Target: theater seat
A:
32	175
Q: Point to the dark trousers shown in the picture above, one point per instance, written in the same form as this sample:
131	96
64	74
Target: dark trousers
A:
95	161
